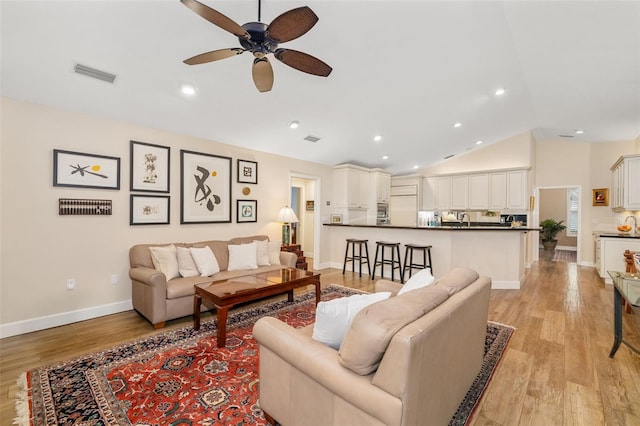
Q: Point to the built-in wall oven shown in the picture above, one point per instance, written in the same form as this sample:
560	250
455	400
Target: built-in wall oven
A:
382	217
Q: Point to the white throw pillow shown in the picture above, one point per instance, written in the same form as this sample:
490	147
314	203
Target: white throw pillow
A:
242	257
419	280
205	260
262	252
334	317
164	259
274	252
186	265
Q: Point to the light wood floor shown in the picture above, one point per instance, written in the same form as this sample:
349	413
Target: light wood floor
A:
556	370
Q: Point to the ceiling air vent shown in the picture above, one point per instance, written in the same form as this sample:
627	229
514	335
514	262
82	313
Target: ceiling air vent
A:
448	156
566	136
312	138
94	73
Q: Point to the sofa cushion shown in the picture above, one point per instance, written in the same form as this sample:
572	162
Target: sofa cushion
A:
242	257
165	260
262	252
457	279
373	327
274	252
219	249
205	260
422	279
186	266
333	317
247	240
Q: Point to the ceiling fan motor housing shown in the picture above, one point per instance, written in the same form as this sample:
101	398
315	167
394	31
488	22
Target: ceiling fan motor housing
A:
259	44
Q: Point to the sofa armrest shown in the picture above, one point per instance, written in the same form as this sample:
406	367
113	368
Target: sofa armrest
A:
148	276
320	364
149	294
288	259
386	285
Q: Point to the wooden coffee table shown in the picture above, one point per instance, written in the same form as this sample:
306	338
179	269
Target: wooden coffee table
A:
224	294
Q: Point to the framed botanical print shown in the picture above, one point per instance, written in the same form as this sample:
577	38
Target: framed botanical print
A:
246	211
150	166
205	181
247	171
78	169
149	210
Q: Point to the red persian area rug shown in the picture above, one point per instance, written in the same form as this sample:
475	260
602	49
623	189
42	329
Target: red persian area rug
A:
181	377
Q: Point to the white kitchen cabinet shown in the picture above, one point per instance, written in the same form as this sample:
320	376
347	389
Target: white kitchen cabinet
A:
610	254
625	185
429	192
459	192
381	184
443	197
479	191
351	187
498	191
517	194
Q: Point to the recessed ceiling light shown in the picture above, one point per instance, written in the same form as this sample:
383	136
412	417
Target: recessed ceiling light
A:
579	132
457	125
499	92
377	138
385	157
294	124
478	143
415	166
188	89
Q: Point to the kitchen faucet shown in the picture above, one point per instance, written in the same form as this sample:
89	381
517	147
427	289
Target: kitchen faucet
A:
468	219
635	223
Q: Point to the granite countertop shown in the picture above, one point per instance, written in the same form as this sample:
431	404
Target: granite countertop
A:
605	234
456	228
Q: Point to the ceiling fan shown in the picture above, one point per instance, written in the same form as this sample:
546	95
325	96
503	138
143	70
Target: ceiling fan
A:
262	39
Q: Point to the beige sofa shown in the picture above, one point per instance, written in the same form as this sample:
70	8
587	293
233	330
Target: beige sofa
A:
159	300
424	349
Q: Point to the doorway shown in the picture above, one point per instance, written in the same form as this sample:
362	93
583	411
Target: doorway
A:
561	203
305	202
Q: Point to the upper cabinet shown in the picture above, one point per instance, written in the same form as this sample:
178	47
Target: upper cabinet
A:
443	192
497	191
625	187
517	194
351	187
381	185
479	191
429	191
459	192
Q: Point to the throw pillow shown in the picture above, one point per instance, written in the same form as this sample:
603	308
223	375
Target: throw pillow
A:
242	257
262	252
334	317
164	259
205	260
186	265
419	280
274	252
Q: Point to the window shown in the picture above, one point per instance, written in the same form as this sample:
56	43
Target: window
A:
572	212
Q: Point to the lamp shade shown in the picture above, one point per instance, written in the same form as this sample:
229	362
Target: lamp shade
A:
287	215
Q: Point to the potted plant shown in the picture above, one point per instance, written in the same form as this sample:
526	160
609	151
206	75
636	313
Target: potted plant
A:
550	228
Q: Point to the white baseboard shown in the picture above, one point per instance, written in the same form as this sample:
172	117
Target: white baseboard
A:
64	318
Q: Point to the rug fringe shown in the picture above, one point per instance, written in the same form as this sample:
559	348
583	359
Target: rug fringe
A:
503	325
22	402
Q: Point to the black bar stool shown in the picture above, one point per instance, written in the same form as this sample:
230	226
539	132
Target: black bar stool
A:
352	242
408	258
394	262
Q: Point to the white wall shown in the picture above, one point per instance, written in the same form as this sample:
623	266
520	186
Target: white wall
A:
40	249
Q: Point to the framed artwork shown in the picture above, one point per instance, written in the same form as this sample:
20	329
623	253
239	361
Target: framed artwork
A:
336	218
205	182
310	205
246	211
78	169
600	197
149	167
247	171
149	210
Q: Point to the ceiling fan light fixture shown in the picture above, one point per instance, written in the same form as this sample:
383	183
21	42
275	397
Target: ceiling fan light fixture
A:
294	124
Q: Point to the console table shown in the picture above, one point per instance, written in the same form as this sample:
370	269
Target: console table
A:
626	286
295	248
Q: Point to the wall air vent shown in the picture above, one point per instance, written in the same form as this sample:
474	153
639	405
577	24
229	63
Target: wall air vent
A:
312	138
94	73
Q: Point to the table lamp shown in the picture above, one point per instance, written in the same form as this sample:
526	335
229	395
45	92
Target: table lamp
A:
287	216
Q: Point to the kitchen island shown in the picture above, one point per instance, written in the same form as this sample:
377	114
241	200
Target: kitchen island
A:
496	251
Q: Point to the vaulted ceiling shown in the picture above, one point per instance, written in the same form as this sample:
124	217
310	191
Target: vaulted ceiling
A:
405	70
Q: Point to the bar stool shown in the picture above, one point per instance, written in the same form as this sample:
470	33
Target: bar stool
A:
394	262
352	242
408	258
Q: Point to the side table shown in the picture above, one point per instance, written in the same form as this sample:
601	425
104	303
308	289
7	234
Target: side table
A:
295	248
626	286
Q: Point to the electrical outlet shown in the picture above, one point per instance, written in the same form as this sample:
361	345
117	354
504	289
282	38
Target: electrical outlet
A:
115	278
71	283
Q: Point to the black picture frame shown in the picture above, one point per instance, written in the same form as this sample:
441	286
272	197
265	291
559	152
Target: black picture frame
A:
246	211
82	170
205	188
247	171
150	167
149	209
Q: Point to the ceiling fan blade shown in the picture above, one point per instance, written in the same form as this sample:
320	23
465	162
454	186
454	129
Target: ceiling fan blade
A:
292	24
216	18
214	55
303	62
262	74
